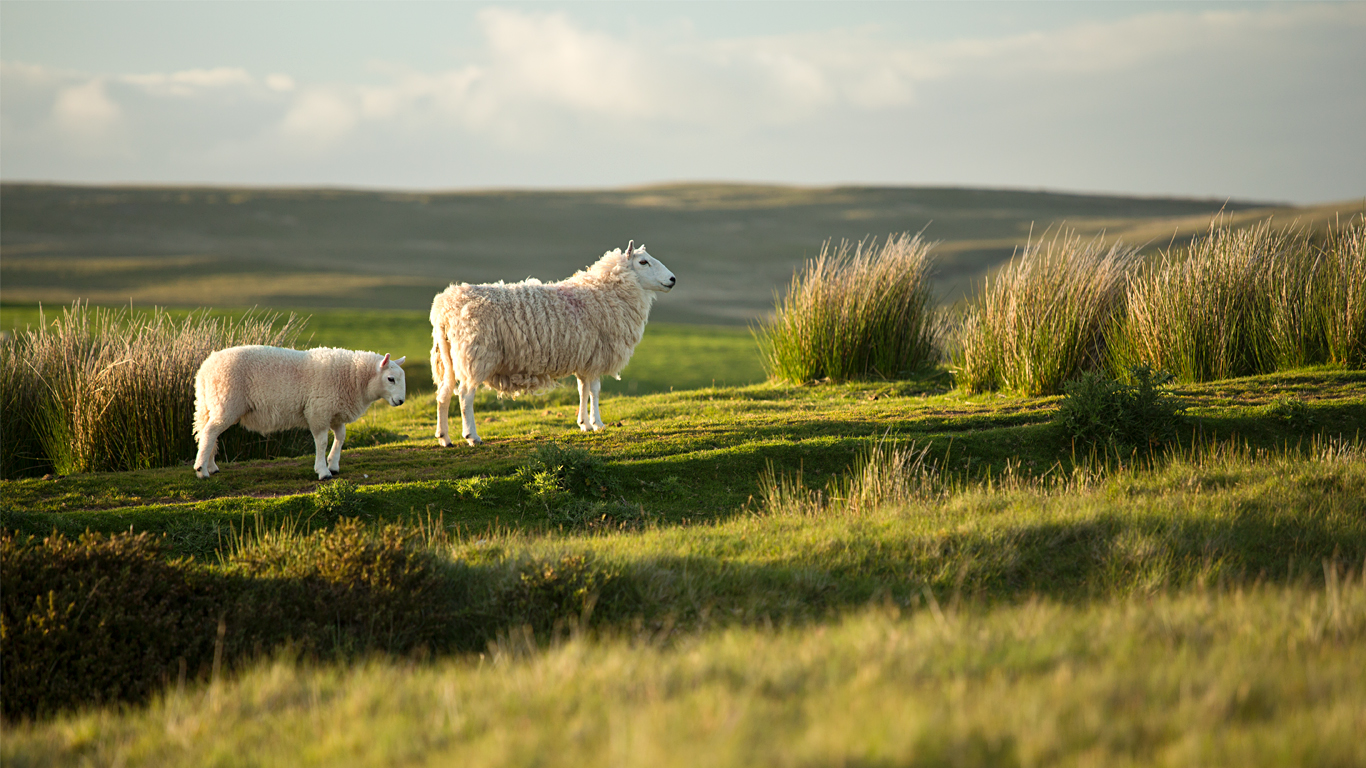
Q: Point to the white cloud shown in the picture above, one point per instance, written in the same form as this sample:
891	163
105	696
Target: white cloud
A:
191	81
85	111
320	118
279	82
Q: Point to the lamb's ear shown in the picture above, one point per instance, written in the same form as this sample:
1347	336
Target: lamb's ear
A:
385	362
399	362
630	248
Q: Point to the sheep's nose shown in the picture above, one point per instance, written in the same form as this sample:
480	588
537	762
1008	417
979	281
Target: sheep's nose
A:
672	280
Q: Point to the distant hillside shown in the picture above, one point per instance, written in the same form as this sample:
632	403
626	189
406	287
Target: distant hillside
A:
731	245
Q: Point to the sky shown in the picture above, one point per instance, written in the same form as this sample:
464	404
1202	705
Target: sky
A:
1250	101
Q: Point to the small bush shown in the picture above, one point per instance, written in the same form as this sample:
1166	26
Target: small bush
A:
1115	418
857	311
553	473
1041	320
338	498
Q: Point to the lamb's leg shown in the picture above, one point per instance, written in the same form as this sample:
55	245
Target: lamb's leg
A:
594	389
204	464
467	414
320	454
585	408
334	458
443	406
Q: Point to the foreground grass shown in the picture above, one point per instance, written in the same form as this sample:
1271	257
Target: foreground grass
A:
1265	675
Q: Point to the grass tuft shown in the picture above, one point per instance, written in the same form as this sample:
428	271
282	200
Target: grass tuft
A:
1040	321
857	311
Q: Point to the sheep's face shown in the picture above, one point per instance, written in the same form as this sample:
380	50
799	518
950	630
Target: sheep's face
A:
392	383
653	275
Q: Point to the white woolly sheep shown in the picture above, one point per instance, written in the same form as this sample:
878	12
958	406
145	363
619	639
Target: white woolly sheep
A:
523	337
268	389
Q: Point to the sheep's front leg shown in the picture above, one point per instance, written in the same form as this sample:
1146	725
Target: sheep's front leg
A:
334	458
585	415
467	415
595	417
443	406
320	456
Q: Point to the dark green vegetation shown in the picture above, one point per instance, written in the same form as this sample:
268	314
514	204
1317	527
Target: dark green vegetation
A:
730	245
1114	418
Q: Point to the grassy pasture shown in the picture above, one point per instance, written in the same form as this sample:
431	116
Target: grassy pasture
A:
1205	607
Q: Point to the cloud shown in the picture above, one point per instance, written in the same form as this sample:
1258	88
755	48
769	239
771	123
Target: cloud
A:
85	111
1121	104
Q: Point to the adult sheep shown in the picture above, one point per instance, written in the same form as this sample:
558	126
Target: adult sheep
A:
523	337
268	389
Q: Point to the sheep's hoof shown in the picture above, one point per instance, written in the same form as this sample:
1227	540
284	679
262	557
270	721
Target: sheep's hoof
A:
322	477
473	441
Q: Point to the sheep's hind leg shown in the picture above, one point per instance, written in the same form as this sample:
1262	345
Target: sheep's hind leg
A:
467	414
204	465
334	457
443	407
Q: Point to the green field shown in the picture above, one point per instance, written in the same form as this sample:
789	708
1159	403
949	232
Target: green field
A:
735	572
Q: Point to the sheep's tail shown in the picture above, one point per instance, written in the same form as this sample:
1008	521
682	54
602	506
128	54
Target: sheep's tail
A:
443	369
201	404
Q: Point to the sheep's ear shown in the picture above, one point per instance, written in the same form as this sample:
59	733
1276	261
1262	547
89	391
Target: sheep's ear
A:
385	362
630	248
399	362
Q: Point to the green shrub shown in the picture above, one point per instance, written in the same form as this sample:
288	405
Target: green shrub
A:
855	312
553	473
1116	418
338	498
97	619
103	389
1041	320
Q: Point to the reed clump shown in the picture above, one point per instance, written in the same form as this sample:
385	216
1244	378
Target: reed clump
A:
1242	302
856	311
106	389
1041	320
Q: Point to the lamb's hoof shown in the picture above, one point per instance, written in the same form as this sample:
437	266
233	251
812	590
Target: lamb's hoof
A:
474	441
443	441
328	476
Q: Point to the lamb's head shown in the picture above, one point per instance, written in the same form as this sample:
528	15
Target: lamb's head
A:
390	382
652	275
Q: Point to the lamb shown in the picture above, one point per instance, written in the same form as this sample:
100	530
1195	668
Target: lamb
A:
268	389
523	337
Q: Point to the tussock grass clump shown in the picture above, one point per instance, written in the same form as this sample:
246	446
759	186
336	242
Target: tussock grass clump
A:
103	389
856	311
1241	302
1041	320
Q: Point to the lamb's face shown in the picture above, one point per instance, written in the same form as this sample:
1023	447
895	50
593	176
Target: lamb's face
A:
653	275
393	384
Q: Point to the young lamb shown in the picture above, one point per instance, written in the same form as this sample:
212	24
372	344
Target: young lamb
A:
268	389
523	337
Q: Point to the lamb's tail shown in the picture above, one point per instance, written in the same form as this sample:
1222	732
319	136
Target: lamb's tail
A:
443	369
201	404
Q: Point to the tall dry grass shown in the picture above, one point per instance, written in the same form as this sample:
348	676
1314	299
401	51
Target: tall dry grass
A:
106	389
1241	302
856	311
1041	320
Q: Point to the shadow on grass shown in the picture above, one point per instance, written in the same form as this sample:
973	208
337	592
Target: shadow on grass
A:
109	619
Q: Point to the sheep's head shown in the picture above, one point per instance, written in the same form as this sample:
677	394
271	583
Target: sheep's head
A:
393	384
652	275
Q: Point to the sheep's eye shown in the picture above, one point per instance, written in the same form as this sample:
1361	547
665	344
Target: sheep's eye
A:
643	262
391	379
